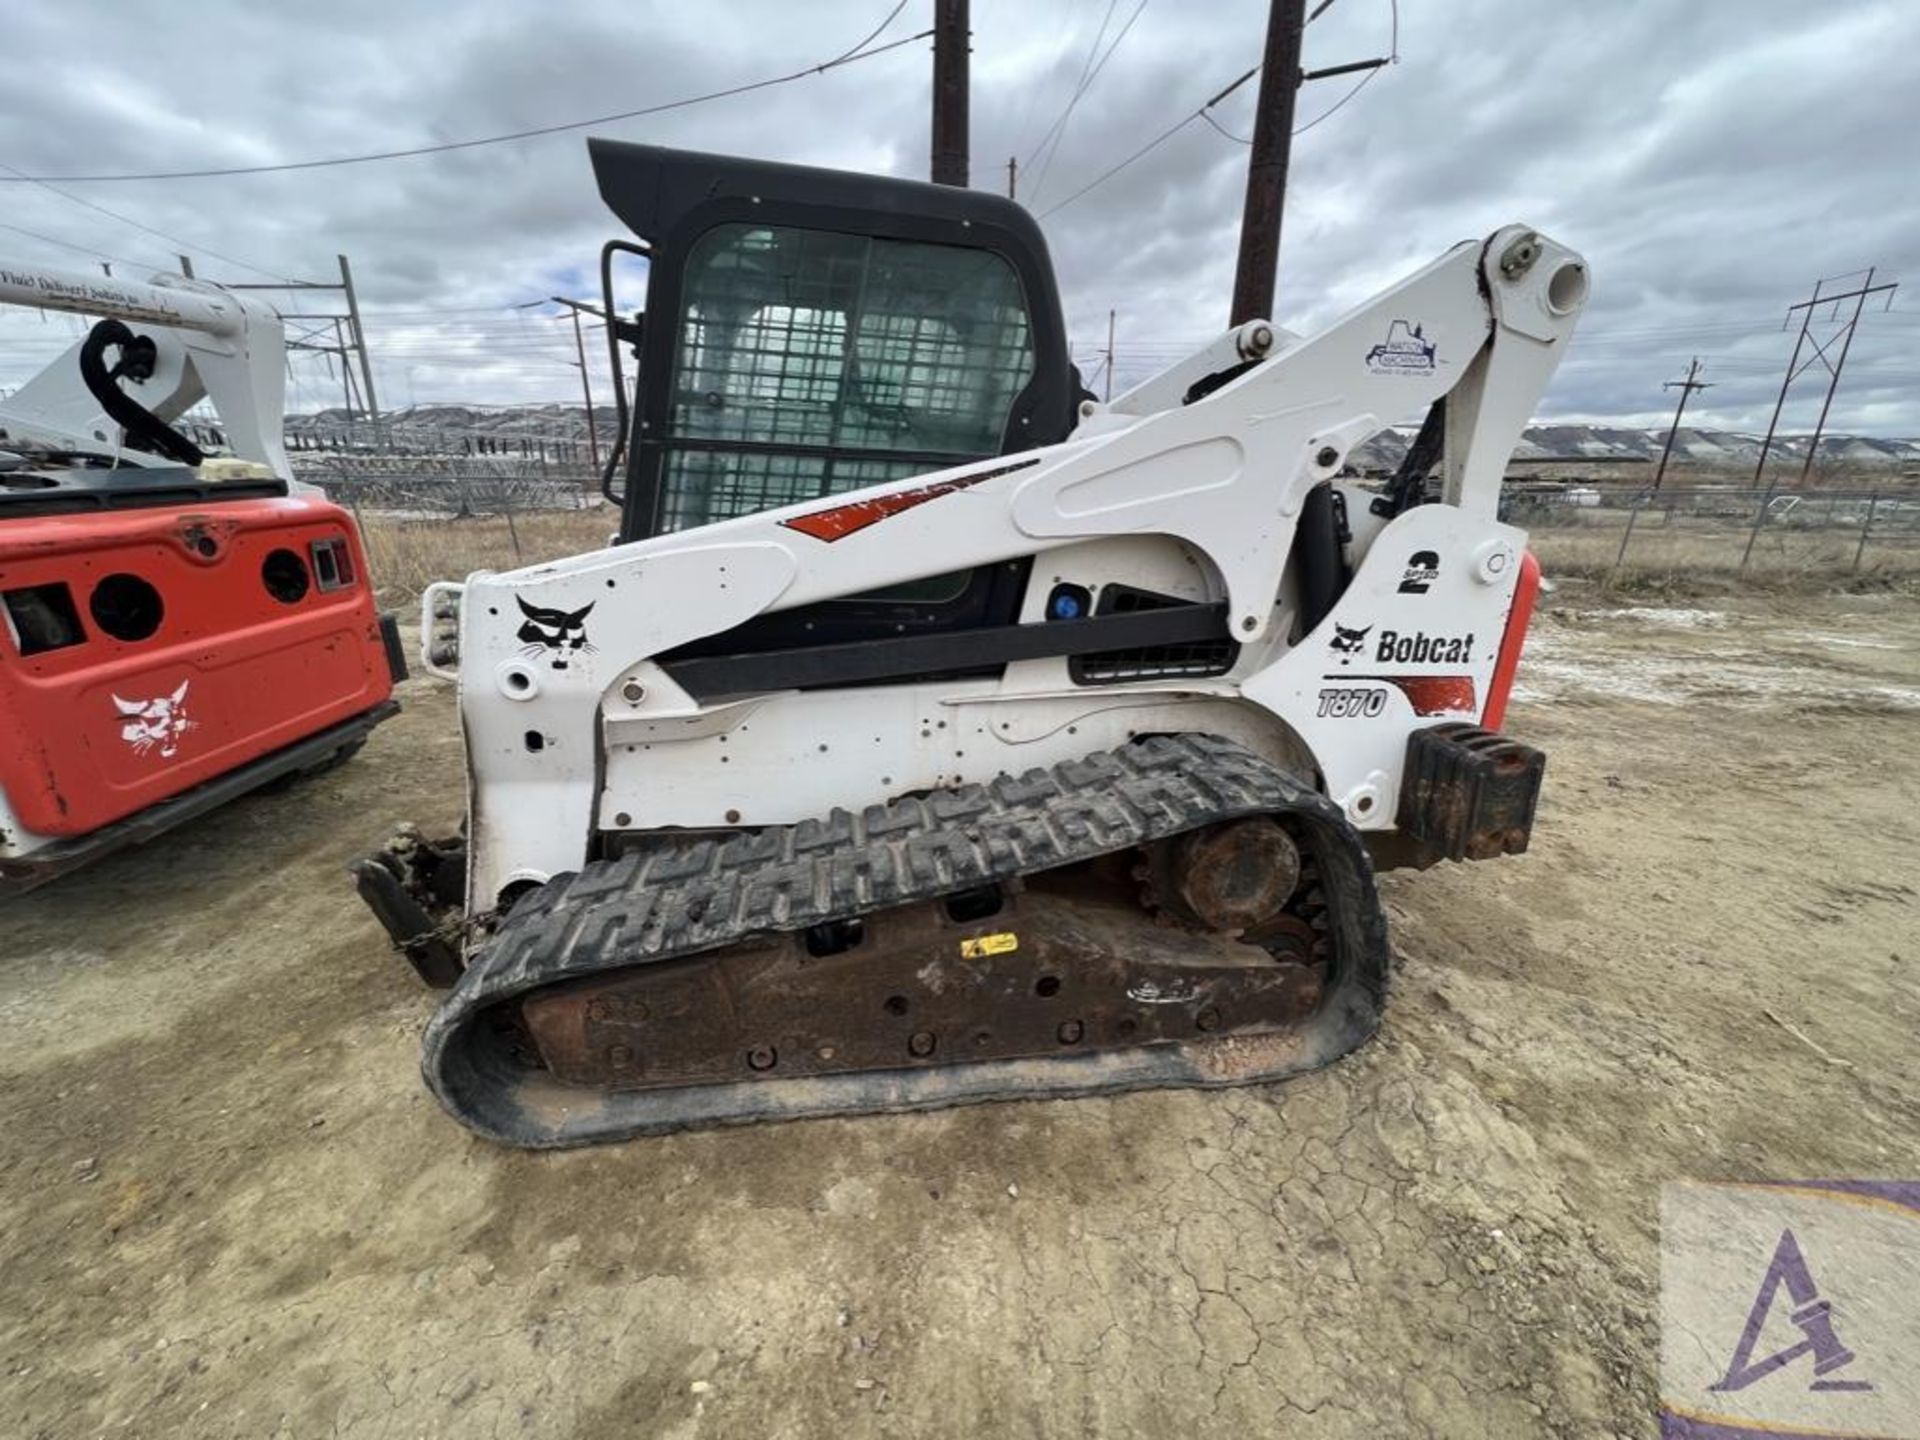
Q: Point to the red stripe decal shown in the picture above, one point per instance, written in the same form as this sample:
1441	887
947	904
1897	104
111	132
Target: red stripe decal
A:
840	521
1437	694
1511	643
1428	694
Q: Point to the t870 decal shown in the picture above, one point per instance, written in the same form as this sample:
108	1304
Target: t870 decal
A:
1427	694
1348	702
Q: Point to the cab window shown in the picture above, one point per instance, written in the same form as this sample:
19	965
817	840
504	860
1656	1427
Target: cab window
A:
809	362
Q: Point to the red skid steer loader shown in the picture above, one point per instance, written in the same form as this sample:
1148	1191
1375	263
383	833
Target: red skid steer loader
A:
176	628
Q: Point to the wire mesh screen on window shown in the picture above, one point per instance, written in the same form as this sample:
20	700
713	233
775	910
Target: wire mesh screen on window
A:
811	362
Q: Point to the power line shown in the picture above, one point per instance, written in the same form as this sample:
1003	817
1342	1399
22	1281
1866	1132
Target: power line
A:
1085	67
1237	139
1337	105
69	245
1058	132
846	59
1393	56
873	35
127	220
1029	93
1151	145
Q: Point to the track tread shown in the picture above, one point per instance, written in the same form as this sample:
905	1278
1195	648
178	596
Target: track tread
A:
677	899
674	899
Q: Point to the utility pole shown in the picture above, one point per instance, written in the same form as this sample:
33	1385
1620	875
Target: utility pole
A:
1109	394
1253	277
186	265
1780	400
359	341
1280	80
346	370
1013	174
951	40
1686	387
580	349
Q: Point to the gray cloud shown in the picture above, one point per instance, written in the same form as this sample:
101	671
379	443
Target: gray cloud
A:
1712	160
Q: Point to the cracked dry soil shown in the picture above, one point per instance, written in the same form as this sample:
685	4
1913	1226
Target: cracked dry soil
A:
230	1209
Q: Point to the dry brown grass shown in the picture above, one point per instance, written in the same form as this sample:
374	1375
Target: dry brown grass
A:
1672	554
406	552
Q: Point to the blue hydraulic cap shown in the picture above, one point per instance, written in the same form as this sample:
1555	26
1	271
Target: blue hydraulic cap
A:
1069	602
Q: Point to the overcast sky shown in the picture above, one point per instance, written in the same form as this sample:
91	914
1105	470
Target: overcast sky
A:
1712	158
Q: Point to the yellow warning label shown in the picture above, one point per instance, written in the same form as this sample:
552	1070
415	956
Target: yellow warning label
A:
1005	943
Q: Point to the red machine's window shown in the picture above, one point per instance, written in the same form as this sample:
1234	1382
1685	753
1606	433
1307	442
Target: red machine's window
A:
42	618
332	564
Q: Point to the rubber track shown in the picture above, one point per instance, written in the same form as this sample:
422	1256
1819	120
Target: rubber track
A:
675	900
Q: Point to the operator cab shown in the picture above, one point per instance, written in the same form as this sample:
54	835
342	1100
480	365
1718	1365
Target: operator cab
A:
814	331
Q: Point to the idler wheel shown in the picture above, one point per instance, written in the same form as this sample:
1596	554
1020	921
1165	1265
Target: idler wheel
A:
1232	876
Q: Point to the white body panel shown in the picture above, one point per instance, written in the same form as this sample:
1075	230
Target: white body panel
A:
212	344
1197	500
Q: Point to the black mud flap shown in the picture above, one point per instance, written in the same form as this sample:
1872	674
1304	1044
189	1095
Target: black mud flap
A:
390	642
1469	793
687	904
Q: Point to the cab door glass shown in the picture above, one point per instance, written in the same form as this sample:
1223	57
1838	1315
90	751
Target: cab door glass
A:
810	362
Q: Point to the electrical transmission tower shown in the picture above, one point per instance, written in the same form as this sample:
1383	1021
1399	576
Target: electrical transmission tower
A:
342	328
1844	335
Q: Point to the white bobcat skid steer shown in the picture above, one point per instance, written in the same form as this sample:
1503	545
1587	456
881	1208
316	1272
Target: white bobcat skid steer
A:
937	733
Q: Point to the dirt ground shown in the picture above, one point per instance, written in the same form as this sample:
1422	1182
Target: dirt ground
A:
231	1209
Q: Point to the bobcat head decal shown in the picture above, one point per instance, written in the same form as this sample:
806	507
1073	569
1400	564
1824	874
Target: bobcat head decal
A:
556	634
155	724
1348	643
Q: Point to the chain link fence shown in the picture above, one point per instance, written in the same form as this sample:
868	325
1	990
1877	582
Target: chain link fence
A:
1723	531
453	487
440	517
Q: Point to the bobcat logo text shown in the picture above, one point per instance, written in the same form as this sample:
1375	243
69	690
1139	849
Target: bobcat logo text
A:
1422	649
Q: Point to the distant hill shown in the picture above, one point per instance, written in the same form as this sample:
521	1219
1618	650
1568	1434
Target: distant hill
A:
430	427
1715	449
